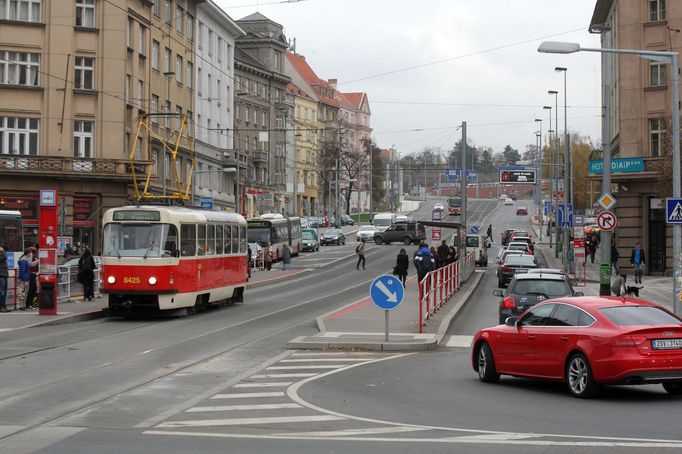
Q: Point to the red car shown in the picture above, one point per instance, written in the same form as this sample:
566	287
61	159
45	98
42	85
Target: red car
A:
585	342
522	211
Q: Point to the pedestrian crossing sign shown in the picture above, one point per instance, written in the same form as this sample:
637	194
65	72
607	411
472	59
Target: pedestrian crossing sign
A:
673	210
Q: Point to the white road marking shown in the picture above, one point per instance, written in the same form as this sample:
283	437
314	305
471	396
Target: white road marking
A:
248	395
302	375
328	366
336	354
247	421
262	385
243	407
459	341
312	360
348	432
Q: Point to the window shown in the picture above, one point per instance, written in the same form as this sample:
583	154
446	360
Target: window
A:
140	93
180	19
20	10
255	117
155	109
227	230
218	91
228	56
220	49
201	239
167	12
142	40
155	55
262	118
210	42
82	139
656	132
157	8
638	315
85	13
19	136
539	316
127	89
566	315
657	74
200	81
235	239
200	38
19	68
167	62
190	70
129	32
210	239
656	10
236	112
190	117
280	121
209	88
84	72
166	109
178	68
219	239
190	27
246	114
178	116
188	240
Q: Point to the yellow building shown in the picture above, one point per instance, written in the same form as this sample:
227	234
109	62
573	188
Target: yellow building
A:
306	147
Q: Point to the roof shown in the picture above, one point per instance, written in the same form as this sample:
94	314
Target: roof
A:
296	90
301	66
601	12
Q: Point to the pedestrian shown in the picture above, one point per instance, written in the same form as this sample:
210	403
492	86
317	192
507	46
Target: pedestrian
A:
26	261
401	266
86	274
452	254
360	251
33	278
618	285
591	249
423	261
248	260
570	254
286	257
442	254
614	256
267	254
4	275
637	258
68	251
489	233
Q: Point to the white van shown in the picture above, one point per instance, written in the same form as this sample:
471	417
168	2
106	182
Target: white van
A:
382	221
480	246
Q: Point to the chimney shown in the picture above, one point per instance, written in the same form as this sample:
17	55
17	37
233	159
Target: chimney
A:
332	82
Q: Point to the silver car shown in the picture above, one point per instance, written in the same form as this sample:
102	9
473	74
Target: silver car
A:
366	233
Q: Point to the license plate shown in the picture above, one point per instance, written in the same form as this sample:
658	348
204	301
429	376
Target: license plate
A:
521	271
667	344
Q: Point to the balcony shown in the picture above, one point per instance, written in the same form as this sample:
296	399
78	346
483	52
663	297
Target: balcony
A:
70	167
259	156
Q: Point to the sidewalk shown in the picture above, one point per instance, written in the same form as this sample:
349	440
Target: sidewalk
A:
361	325
657	289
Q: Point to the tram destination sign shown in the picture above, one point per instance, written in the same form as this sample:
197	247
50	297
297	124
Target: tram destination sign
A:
514	176
137	215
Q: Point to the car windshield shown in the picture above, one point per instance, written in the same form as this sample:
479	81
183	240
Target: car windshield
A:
308	235
367	229
551	288
332	232
472	241
639	315
140	240
520	260
382	222
521	247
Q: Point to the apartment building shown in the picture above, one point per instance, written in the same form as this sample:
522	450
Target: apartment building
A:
69	88
214	104
641	111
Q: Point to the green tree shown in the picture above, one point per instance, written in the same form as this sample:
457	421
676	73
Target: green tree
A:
510	156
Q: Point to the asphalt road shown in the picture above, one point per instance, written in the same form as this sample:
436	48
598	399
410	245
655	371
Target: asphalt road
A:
223	381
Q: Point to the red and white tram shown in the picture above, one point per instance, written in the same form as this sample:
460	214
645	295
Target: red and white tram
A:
172	257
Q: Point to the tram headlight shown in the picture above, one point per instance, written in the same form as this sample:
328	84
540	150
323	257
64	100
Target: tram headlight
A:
152	280
111	280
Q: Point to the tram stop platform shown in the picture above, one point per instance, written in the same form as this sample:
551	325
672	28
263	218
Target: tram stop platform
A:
78	310
361	325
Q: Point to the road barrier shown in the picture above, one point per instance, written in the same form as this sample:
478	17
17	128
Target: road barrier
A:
68	287
439	285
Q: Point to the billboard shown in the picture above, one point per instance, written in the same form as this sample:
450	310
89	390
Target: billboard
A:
526	176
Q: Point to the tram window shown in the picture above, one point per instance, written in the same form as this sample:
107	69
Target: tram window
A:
218	239
235	239
201	239
188	239
170	247
228	239
242	239
210	240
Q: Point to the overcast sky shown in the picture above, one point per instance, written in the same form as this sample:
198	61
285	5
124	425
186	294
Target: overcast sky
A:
431	64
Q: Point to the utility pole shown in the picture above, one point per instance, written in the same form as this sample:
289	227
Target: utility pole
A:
605	268
464	180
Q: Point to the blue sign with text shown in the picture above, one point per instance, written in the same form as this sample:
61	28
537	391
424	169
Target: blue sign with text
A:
206	202
387	292
549	208
453	174
620	165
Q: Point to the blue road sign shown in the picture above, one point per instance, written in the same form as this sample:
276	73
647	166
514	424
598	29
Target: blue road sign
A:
565	221
673	210
623	165
206	202
474	229
548	208
453	174
387	292
471	175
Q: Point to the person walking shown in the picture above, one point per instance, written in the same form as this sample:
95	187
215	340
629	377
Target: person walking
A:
489	233
424	261
637	258
286	257
442	255
4	275
401	266
86	274
26	261
452	255
360	251
614	256
33	278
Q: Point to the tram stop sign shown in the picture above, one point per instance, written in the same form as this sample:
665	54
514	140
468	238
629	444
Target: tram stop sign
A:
387	292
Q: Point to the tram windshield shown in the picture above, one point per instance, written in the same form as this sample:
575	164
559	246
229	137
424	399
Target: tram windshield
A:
140	240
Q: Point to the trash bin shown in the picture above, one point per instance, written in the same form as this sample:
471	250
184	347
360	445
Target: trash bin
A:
47	297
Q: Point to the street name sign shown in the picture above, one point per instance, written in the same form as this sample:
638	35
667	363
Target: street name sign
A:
578	219
206	202
673	210
606	220
607	201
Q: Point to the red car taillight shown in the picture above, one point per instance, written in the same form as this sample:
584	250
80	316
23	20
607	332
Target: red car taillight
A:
509	303
628	341
500	262
506	269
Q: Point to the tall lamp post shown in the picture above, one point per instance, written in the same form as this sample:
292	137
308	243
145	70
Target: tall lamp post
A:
558	162
671	58
551	173
538	176
568	181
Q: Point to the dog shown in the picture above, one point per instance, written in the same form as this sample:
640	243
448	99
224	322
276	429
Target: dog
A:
632	290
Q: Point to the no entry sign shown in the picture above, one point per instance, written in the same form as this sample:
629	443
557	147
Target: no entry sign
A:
606	220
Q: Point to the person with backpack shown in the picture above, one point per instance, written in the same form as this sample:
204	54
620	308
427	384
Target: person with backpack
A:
86	274
33	278
26	261
360	251
423	261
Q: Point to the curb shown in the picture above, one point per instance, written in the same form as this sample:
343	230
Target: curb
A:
299	343
82	317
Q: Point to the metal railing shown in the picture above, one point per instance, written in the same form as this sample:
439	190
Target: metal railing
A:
68	287
439	285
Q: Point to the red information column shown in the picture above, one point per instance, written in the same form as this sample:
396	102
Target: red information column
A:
47	240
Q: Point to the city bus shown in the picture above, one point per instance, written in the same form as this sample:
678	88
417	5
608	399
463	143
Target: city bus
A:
273	231
11	234
455	205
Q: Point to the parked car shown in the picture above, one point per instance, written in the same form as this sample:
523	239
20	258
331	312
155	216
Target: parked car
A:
524	239
503	197
504	253
505	235
73	261
310	240
512	265
522	211
585	342
405	232
520	246
527	290
366	233
346	220
480	245
333	236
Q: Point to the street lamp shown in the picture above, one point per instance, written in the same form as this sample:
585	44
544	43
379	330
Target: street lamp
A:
568	186
551	172
666	57
194	181
538	176
558	160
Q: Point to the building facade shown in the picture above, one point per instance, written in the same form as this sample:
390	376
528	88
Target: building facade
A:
641	118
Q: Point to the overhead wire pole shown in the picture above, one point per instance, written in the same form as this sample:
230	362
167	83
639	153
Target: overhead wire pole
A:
464	181
551	175
568	192
558	172
605	268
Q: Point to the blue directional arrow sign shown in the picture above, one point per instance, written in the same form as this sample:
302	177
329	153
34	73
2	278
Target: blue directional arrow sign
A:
387	292
565	221
474	229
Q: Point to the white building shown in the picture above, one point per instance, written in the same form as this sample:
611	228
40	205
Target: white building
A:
214	101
